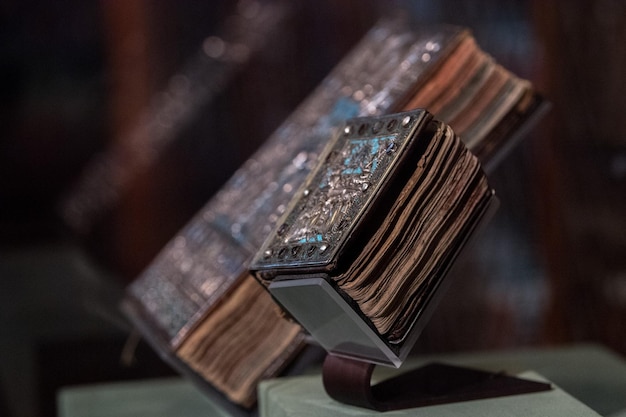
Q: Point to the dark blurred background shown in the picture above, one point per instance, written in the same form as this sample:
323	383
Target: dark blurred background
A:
82	80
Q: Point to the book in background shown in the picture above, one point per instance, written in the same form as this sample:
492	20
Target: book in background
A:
195	302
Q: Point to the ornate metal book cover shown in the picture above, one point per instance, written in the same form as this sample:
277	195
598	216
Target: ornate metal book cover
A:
364	246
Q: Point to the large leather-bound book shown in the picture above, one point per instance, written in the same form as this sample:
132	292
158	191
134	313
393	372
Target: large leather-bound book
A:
196	302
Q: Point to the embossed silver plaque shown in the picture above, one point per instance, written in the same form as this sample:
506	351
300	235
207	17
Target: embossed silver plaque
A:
357	165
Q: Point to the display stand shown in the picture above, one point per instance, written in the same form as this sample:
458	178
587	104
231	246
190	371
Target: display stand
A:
349	381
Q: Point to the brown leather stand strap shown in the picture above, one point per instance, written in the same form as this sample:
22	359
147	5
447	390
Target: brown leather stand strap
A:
349	381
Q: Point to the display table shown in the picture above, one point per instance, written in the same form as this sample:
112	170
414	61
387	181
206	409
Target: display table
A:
589	380
154	398
305	396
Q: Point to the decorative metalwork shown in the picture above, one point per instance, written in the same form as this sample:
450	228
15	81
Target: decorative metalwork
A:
351	174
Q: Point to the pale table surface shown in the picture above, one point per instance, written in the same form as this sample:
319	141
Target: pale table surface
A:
589	373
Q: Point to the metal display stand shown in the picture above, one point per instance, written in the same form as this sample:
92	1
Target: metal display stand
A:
349	381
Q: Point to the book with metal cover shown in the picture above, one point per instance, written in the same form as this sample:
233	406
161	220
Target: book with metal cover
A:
364	246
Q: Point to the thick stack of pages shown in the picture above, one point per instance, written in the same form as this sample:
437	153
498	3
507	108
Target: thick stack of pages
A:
484	103
196	302
429	219
381	218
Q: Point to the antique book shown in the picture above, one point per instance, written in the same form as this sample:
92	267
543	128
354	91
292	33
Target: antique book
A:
378	223
196	302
